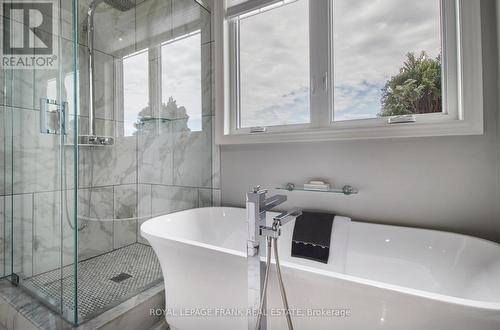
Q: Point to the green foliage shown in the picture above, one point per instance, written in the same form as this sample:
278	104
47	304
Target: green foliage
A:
415	89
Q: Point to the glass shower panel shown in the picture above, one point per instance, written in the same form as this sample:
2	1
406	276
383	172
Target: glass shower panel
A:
153	96
39	150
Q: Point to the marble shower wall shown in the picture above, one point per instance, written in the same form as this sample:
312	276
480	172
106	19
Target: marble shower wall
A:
162	166
159	169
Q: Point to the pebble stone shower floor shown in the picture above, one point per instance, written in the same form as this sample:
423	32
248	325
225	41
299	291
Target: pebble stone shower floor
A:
103	281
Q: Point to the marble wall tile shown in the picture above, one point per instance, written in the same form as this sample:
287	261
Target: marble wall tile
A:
95	210
85	168
104	82
17	84
206	26
58	83
114	29
104	127
188	16
83	125
217	197
111	165
6	148
156	200
212	75
205	198
2	85
21	215
2	151
209	197
87	165
169	199
206	76
83	83
193	154
53	234
210	4
154	23
144	202
35	155
155	153
2	236
55	83
216	167
6	234
19	88
118	100
125	215
65	15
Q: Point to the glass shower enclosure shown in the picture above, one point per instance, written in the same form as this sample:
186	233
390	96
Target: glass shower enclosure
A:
105	122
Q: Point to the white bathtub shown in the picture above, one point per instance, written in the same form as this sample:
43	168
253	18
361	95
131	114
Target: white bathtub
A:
377	277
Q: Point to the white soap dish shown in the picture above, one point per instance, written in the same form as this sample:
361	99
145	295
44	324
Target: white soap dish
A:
317	185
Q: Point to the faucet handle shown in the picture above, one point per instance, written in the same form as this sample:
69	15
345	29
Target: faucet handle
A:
259	190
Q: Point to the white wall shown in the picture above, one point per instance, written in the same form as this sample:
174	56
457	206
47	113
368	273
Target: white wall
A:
448	183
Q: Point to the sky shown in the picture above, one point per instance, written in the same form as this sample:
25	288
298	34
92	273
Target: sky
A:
274	66
371	40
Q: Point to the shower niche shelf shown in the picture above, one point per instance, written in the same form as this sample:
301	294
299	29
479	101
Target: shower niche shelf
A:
345	190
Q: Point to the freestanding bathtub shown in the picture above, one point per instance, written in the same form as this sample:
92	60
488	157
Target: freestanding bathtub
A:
377	277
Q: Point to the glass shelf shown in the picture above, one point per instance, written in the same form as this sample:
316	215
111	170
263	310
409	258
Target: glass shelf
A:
346	190
145	120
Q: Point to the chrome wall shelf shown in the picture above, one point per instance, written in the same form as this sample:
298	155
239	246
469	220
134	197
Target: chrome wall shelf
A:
346	190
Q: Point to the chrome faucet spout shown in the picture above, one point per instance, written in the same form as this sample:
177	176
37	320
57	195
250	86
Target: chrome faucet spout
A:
287	216
272	202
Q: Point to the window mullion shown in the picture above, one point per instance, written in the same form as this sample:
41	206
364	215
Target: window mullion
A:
119	92
450	58
319	59
234	75
155	96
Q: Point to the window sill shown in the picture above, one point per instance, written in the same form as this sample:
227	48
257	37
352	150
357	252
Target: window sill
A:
387	131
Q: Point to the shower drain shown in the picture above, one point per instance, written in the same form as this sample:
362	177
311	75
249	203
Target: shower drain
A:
120	277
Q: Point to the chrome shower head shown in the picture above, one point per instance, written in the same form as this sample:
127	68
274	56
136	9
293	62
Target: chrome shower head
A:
122	5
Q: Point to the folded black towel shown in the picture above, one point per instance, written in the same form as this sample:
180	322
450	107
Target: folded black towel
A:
311	236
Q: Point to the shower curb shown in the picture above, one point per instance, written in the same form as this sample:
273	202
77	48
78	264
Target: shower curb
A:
20	311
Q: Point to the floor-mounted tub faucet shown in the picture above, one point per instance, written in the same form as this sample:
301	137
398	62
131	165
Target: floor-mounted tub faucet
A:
257	205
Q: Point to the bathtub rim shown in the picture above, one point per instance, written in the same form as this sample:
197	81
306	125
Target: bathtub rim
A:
477	304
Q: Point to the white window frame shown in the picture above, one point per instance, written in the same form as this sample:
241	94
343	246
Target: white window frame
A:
155	96
462	86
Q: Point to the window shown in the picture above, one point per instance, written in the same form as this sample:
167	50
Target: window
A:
387	60
163	83
181	80
298	70
274	67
